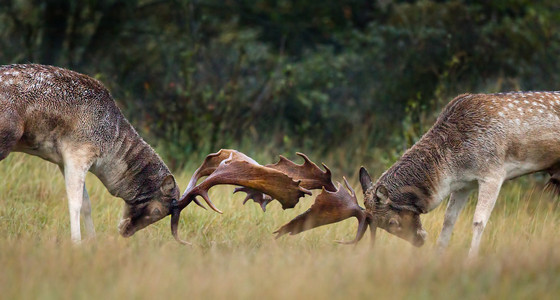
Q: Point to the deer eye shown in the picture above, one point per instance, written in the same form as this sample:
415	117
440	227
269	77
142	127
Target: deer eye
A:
393	223
156	212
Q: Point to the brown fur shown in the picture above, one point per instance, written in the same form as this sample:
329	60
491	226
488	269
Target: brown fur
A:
70	119
481	138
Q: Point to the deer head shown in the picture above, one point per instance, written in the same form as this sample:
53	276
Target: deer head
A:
403	222
139	215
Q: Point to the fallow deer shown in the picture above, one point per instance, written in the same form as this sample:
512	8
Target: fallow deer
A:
478	139
71	120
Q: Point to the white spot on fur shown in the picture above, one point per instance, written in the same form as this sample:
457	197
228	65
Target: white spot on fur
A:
517	121
501	114
510	105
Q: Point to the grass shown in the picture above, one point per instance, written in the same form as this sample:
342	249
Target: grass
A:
235	256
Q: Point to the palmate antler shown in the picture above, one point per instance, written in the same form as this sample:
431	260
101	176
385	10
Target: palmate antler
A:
310	175
329	207
284	181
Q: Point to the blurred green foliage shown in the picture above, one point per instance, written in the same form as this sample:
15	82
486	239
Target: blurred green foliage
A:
197	75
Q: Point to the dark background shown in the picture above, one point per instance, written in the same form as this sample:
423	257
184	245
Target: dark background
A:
354	80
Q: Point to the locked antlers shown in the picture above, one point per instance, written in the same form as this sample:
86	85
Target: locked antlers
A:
284	181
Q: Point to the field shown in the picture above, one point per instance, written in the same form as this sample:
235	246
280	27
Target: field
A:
235	256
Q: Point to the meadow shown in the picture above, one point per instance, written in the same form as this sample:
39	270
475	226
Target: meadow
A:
235	255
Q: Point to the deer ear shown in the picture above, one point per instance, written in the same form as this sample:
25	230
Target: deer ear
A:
382	194
365	179
168	185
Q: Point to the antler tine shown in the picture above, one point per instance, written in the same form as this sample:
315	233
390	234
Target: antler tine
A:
175	214
258	197
327	170
353	193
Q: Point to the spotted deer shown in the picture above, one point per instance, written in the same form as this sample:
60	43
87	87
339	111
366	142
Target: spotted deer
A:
478	140
71	120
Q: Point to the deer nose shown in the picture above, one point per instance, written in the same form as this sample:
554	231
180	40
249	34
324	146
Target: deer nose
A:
124	227
421	235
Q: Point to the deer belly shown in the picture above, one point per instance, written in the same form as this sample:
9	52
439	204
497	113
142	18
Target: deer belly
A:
519	168
532	152
45	147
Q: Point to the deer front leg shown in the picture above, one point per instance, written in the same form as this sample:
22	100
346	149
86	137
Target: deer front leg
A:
488	191
75	169
456	203
85	209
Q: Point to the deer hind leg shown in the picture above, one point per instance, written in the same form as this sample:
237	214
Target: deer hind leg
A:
488	191
456	203
11	131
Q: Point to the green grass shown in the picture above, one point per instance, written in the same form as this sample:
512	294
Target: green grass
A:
235	256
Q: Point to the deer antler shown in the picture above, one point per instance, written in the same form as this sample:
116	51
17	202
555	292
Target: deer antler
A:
256	196
210	164
329	207
238	169
284	181
244	173
311	176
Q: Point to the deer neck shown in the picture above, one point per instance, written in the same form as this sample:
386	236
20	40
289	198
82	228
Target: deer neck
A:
419	179
130	168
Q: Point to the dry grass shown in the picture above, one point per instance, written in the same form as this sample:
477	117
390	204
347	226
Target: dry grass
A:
235	255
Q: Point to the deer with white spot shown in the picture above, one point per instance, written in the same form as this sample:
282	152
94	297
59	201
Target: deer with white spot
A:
71	120
478	139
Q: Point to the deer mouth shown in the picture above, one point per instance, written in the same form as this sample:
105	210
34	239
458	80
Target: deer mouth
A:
125	228
420	238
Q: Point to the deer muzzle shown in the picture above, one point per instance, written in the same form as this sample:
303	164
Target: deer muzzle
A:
420	238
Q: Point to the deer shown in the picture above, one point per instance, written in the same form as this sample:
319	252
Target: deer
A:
71	120
478	140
